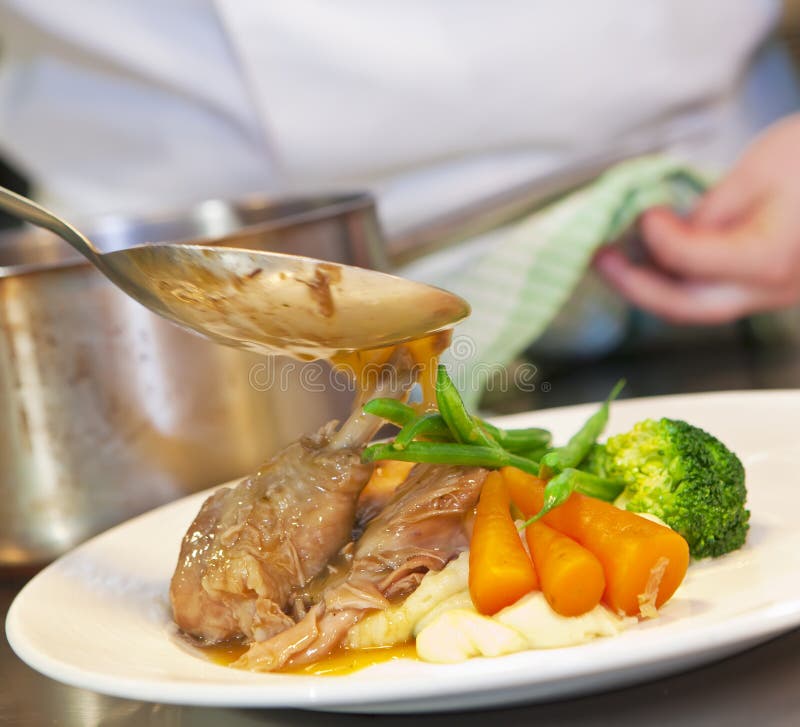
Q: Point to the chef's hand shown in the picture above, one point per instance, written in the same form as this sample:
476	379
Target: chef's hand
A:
738	252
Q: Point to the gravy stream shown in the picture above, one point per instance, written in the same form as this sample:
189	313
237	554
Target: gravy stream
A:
363	365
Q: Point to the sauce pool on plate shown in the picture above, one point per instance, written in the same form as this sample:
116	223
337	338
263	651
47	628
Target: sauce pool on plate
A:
339	663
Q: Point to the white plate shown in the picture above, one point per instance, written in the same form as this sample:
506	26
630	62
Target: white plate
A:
98	617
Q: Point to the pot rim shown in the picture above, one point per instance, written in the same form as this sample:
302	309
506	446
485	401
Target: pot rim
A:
32	250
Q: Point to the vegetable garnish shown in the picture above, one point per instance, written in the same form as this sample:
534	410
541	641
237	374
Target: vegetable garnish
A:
579	445
451	406
500	571
428	426
556	492
571	577
518	441
455	437
631	549
562	462
682	475
450	453
581	548
391	410
560	487
431	426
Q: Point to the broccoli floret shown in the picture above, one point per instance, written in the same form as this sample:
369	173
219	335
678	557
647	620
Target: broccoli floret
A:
684	476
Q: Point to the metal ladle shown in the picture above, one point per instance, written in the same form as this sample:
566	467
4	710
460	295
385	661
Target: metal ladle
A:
263	301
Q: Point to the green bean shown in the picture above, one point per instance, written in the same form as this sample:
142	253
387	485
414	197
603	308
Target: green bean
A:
576	449
556	492
531	466
438	453
454	437
517	440
594	486
430	426
451	406
392	410
451	453
535	454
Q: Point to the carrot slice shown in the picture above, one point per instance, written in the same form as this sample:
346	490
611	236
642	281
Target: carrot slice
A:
387	476
643	562
500	571
571	577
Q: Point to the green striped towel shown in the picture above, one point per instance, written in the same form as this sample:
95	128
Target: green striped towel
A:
520	284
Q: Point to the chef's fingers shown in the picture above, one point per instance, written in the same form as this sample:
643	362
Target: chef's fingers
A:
745	252
731	199
685	301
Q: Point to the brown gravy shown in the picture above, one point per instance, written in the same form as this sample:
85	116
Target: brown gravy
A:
362	365
339	663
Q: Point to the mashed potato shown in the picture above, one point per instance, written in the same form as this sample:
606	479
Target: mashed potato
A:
399	624
448	629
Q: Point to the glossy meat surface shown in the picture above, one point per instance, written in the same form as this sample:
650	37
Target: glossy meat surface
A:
422	528
251	547
252	544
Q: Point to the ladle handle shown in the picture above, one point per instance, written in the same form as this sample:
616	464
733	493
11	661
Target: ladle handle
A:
19	206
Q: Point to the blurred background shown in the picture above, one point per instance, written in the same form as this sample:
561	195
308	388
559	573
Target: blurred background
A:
141	121
470	144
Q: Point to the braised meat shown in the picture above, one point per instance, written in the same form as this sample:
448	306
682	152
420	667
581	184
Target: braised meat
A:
422	528
251	546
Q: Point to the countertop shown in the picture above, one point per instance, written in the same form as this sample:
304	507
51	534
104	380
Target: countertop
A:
757	686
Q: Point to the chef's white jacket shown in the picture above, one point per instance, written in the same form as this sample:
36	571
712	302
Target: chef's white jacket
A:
141	105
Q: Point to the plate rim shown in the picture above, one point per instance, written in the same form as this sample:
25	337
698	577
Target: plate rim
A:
759	625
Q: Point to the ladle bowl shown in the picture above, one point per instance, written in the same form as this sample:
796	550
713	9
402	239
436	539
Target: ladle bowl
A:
263	301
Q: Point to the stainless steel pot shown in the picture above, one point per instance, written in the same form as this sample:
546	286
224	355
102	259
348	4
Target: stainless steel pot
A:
107	410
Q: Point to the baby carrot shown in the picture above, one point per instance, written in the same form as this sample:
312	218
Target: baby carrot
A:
644	563
387	476
571	577
500	571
